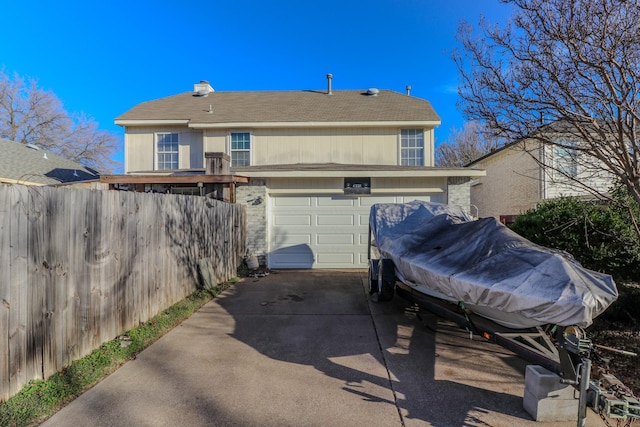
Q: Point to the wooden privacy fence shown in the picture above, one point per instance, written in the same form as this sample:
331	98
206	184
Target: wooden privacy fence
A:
78	267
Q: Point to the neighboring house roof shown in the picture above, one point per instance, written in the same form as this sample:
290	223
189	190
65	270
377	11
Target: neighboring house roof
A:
276	108
492	153
557	127
27	164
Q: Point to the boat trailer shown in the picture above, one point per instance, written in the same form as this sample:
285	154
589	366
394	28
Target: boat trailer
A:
565	351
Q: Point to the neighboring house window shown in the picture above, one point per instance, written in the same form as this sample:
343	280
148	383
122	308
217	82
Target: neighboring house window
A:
412	147
566	161
167	151
241	149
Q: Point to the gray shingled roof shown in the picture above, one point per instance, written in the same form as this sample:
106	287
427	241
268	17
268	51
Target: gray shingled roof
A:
282	107
19	162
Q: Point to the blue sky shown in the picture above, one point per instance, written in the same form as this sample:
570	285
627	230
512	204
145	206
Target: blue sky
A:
104	57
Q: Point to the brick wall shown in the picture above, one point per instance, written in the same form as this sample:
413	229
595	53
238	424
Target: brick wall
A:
254	196
459	193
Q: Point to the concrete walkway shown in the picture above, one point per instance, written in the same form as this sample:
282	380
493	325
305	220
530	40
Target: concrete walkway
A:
308	348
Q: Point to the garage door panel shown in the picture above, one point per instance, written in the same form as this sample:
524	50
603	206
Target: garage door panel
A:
363	220
334	219
289	239
335	201
297	257
292	201
363	238
334	239
292	220
364	259
372	200
334	259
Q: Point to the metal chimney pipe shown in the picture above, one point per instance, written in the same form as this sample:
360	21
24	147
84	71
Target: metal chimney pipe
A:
329	77
408	90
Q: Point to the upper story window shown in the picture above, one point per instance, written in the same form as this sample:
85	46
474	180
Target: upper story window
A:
167	151
412	147
566	161
240	149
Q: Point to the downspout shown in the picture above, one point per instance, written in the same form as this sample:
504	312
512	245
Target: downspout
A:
542	172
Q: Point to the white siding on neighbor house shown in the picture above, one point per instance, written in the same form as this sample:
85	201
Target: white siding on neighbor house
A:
557	185
515	182
140	149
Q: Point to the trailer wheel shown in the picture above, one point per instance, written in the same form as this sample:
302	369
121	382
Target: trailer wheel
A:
373	276
386	280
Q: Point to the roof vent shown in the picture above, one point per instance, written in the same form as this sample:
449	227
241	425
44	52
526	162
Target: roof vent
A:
329	78
202	89
373	91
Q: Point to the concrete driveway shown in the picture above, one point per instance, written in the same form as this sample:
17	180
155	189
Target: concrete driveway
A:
308	348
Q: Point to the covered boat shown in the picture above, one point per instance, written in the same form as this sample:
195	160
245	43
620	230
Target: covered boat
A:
440	251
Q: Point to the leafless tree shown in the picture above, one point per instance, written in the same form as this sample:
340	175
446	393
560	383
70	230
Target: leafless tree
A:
30	115
575	62
464	145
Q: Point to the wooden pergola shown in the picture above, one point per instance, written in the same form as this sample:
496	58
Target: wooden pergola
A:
139	182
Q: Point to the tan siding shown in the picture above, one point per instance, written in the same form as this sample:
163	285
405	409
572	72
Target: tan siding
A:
395	186
512	184
414	184
215	141
348	146
140	147
429	143
305	185
376	146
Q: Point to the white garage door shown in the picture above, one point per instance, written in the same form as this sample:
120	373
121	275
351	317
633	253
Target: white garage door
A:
322	231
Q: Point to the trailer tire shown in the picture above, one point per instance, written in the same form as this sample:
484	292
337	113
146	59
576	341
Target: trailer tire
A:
373	276
386	280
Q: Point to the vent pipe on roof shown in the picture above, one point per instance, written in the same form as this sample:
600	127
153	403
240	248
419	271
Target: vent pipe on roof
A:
329	77
408	90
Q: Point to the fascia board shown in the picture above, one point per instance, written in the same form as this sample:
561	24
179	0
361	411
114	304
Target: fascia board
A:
151	122
439	173
427	124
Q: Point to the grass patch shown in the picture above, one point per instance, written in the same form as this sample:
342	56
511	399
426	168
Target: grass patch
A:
40	399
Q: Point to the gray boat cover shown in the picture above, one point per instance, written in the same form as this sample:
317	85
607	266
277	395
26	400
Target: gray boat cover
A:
441	251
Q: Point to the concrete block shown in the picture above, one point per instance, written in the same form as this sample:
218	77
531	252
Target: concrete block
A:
546	398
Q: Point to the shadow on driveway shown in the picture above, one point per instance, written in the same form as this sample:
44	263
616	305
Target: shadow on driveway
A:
437	375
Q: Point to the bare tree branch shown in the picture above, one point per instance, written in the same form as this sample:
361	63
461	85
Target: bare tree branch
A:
575	62
30	115
464	146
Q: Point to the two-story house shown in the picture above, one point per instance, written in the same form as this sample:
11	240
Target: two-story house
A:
524	173
316	161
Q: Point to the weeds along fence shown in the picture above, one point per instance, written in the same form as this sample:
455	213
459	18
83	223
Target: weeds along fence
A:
79	267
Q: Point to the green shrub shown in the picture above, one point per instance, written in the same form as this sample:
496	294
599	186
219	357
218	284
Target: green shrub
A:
600	235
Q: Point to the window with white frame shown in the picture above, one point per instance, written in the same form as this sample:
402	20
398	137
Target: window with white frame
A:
411	147
167	151
240	149
566	162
